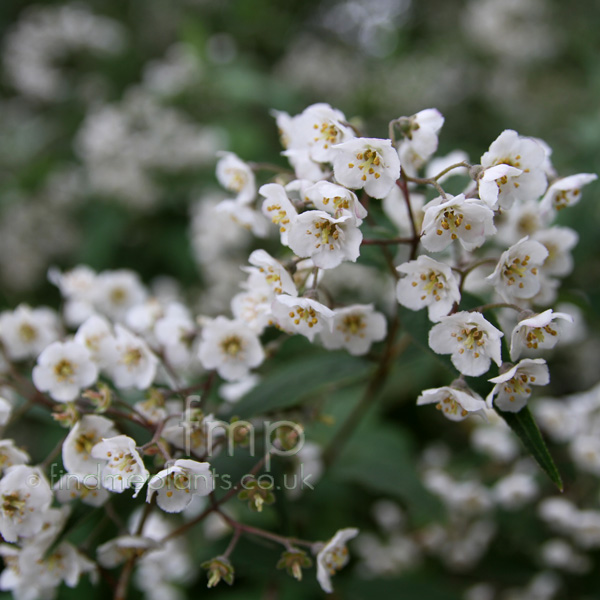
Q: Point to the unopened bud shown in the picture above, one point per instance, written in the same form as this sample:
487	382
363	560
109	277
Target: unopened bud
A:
293	561
219	568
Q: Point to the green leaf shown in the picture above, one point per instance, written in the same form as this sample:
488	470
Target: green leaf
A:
524	425
299	379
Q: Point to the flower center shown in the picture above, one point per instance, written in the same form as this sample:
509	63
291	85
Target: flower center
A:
518	268
13	504
273	278
518	385
327	132
337	201
132	357
118	295
85	442
304	314
353	324
232	345
431	284
279	216
335	559
511	162
535	336
367	161
64	370
451	222
27	332
238	179
471	339
563	199
450	406
326	234
122	461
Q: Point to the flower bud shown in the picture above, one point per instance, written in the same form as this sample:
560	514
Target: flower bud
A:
218	568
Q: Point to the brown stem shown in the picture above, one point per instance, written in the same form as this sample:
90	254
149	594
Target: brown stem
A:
123	583
288	542
343	435
403	185
233	542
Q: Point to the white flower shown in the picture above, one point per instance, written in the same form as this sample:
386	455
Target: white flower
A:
471	341
31	573
230	347
560	513
278	208
142	318
566	192
176	485
124	467
585	452
11	455
497	183
5	411
496	440
559	554
253	307
368	163
273	272
194	433
176	332
244	216
128	360
301	315
354	328
91	333
456	218
455	404
286	126
304	166
336	200
322	127
536	332
420	139
522	153
63	370
559	241
120	549
72	486
77	447
333	556
515	491
76	287
328	241
233	392
115	292
513	388
236	176
516	275
428	283
26	496
523	219
25	332
153	409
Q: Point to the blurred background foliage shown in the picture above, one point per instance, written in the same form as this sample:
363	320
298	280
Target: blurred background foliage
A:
192	77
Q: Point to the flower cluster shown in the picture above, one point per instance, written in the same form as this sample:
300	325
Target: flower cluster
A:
117	365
